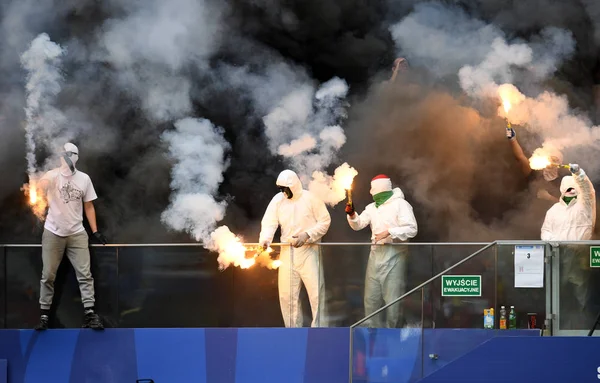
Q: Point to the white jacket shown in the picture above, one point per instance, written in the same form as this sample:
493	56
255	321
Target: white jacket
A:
303	213
572	222
395	215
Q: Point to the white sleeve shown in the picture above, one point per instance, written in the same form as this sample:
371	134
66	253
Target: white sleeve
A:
359	222
407	223
89	194
547	234
588	193
270	221
323	220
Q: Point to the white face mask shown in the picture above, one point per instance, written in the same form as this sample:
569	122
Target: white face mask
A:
68	159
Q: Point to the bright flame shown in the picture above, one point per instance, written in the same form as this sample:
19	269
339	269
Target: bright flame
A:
510	96
233	252
33	193
332	189
539	162
544	157
38	204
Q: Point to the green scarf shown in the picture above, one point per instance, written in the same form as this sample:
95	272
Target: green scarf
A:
380	198
568	199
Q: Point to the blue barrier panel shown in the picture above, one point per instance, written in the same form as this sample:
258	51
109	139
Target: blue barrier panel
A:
526	360
303	355
402	355
3	371
450	344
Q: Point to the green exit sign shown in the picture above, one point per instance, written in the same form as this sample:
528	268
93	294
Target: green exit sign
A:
461	285
594	256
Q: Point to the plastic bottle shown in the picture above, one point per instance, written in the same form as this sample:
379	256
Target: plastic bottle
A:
512	318
502	318
488	318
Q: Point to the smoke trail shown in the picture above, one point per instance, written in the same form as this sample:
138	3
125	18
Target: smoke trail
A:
309	136
44	122
198	149
42	61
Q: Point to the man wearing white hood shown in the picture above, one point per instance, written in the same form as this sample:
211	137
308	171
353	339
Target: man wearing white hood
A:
304	220
391	219
572	217
69	192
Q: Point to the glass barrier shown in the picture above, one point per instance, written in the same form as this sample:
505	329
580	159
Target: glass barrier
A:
391	354
181	286
576	275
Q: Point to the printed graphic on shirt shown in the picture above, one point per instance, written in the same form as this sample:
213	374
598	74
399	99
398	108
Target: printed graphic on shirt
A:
69	193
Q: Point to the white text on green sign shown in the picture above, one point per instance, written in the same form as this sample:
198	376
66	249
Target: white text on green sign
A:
595	256
461	285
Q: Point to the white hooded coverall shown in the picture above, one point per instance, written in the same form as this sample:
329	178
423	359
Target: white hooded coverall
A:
386	268
302	213
572	222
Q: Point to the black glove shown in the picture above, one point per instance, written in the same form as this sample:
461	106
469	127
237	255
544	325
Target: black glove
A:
350	209
101	238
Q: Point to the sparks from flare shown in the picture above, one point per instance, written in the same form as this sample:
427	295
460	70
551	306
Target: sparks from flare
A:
38	203
232	251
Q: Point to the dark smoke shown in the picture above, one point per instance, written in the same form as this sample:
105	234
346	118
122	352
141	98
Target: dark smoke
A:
451	158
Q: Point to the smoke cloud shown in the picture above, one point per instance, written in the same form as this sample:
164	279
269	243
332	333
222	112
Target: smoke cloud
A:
298	84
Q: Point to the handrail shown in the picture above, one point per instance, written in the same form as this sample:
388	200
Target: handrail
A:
199	244
424	284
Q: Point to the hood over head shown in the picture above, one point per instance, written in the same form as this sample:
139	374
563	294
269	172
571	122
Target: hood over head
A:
568	183
380	183
290	179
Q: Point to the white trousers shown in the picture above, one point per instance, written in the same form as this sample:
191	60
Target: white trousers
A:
301	264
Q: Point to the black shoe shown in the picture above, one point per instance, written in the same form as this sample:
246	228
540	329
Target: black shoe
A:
43	324
92	320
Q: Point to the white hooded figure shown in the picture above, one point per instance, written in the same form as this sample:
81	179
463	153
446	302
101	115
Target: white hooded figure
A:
391	219
572	217
304	220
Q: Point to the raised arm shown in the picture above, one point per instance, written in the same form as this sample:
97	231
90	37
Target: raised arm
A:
518	151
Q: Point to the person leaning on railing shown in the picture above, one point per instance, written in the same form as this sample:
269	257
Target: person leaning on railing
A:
391	219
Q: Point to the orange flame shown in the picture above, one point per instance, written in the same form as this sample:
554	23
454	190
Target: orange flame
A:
538	162
38	203
232	251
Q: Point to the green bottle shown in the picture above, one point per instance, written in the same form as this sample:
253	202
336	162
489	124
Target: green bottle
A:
512	318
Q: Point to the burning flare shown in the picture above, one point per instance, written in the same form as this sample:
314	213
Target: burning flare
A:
38	203
510	96
539	162
232	251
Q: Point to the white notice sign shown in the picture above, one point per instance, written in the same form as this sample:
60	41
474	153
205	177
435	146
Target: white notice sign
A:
529	266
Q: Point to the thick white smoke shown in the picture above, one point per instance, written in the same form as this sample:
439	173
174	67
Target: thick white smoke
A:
154	48
45	123
198	149
448	41
304	128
